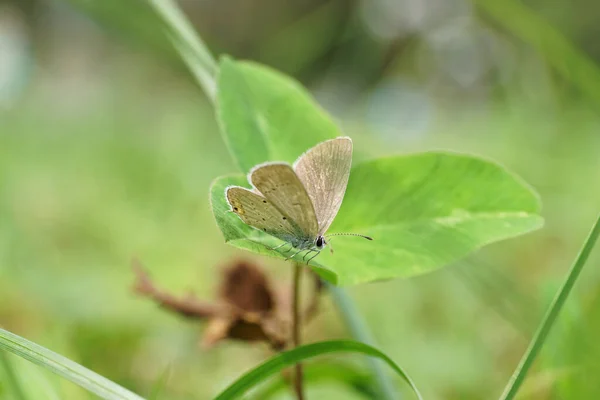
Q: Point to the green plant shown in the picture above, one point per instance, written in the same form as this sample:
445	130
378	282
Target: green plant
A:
436	207
424	210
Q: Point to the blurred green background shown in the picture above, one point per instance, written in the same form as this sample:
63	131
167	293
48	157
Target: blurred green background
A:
107	150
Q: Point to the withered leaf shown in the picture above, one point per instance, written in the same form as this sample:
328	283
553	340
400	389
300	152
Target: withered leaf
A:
245	310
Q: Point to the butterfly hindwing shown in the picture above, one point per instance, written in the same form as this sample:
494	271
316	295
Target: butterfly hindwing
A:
278	183
256	211
324	171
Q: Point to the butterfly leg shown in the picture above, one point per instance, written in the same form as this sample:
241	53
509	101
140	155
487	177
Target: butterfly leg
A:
280	246
295	254
307	253
310	259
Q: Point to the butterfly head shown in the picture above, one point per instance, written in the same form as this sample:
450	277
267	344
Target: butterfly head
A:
320	242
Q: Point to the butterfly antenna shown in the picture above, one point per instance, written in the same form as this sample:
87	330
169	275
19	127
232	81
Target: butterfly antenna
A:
351	234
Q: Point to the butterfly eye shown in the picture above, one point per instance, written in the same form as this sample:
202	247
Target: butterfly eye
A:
320	241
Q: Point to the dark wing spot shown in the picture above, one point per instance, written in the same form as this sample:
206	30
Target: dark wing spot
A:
264	219
265	229
284	218
264	201
235	208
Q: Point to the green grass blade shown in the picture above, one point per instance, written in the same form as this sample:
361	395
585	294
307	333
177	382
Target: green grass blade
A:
291	357
188	44
64	367
182	27
159	385
542	333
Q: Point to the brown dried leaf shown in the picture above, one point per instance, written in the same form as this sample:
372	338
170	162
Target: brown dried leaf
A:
244	312
216	330
188	306
246	287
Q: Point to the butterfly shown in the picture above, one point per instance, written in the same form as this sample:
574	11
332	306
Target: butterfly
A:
298	203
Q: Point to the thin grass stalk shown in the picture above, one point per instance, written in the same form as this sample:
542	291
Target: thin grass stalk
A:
541	335
296	329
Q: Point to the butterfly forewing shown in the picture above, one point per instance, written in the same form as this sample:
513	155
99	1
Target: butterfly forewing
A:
324	171
278	183
258	212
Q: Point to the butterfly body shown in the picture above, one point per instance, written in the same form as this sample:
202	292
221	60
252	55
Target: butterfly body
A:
296	204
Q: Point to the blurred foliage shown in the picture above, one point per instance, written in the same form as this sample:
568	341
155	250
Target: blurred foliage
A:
109	151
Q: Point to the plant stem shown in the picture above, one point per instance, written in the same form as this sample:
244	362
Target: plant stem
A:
296	326
360	331
542	333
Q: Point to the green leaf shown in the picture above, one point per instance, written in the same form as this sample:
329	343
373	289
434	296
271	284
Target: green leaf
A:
265	115
424	211
291	357
64	367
